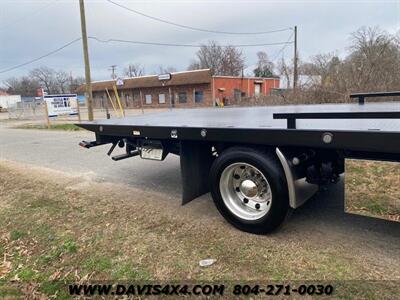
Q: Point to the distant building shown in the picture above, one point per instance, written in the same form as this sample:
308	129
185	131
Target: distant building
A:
3	93
304	81
9	101
180	89
230	89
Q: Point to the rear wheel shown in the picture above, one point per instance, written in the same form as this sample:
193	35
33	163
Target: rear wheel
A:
249	189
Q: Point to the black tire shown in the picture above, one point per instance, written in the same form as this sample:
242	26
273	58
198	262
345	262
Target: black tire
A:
265	162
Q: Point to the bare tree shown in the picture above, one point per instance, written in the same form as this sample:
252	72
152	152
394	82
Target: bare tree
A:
324	70
53	81
62	82
134	70
194	65
374	61
75	82
46	78
285	71
164	70
220	60
264	66
23	86
233	61
372	65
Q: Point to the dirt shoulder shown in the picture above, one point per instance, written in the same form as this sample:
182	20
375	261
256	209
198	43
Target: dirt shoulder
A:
55	226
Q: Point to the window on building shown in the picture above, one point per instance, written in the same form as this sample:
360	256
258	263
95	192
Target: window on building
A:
148	99
182	97
198	96
161	98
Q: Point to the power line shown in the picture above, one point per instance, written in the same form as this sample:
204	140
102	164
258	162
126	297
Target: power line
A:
131	42
283	48
40	57
194	28
181	45
288	42
277	53
27	16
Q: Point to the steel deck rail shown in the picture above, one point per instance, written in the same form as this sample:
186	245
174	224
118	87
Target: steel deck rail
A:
292	117
361	96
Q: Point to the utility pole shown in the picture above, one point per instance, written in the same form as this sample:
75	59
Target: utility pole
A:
295	60
89	95
113	68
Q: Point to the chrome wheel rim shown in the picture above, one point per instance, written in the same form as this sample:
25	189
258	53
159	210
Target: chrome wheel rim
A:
245	191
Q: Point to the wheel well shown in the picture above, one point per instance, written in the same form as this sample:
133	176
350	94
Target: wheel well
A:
305	168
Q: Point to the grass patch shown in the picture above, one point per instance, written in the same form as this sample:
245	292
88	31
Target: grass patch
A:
65	126
55	288
99	264
130	272
373	189
9	292
70	247
57	234
15	235
26	274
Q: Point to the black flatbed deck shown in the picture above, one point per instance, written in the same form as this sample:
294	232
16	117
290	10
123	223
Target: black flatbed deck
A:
257	125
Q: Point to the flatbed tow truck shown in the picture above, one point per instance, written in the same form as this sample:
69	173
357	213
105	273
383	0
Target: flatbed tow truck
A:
258	162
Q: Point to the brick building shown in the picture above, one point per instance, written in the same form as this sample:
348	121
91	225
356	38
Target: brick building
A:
230	89
180	89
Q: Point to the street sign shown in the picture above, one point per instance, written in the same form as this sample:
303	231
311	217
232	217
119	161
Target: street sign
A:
64	104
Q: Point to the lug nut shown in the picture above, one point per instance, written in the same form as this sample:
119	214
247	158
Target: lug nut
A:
257	206
245	200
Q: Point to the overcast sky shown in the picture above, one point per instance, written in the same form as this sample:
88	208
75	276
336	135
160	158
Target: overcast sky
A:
29	29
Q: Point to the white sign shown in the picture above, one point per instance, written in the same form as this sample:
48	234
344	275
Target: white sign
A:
164	76
120	82
65	104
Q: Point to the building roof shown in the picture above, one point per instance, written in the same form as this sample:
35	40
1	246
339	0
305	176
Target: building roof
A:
177	78
248	77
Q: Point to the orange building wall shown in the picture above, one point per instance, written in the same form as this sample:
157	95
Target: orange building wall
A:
246	85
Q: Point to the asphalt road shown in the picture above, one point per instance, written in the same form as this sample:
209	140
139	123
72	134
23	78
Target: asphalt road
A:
59	150
323	215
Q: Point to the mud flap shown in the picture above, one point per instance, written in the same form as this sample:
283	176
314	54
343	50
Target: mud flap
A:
196	160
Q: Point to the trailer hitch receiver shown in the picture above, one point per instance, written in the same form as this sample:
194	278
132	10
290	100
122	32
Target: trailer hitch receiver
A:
87	145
